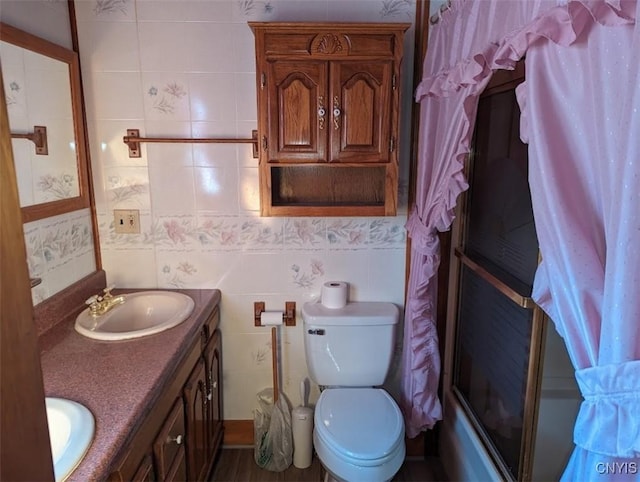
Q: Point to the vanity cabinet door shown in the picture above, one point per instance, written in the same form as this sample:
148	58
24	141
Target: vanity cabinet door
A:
212	355
145	472
168	447
196	406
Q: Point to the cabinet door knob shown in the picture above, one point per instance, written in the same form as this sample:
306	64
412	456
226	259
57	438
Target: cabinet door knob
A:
177	440
215	384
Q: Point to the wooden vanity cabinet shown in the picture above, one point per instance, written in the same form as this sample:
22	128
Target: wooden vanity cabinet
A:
180	437
328	114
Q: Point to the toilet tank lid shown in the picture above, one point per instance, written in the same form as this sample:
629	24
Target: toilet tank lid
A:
354	313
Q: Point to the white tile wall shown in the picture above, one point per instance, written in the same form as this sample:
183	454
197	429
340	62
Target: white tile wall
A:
187	67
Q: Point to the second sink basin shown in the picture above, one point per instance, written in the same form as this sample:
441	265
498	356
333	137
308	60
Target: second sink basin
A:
71	429
143	313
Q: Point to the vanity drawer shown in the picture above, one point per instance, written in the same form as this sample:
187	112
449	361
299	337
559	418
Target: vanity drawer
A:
168	447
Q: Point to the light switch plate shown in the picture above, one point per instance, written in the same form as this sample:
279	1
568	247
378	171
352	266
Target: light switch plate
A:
126	221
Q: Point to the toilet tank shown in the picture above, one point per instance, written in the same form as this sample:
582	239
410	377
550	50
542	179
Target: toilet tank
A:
351	346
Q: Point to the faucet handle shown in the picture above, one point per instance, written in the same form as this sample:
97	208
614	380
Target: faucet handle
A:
107	291
93	304
92	300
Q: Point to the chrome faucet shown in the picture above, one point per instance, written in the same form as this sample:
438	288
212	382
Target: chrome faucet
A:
99	305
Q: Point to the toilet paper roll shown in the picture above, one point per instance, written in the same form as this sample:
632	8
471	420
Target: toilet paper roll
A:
334	294
269	318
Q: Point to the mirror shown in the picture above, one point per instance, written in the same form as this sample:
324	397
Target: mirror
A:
43	95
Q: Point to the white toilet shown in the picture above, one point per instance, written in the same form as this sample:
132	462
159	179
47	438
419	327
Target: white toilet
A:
358	429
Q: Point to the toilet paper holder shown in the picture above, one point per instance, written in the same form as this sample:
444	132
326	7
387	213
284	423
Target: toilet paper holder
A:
288	316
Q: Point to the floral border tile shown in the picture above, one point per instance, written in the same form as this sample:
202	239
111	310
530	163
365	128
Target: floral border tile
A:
56	243
347	233
81	235
35	256
387	233
305	233
178	231
218	232
261	233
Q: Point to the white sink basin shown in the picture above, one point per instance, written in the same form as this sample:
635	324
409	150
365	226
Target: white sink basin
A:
71	429
142	314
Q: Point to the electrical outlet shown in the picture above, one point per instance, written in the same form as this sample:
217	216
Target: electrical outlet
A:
126	221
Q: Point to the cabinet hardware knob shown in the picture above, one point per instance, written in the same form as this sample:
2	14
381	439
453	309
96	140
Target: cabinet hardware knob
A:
336	113
215	384
321	112
177	440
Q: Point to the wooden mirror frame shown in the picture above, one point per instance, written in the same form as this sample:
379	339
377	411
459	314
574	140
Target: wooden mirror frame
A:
28	41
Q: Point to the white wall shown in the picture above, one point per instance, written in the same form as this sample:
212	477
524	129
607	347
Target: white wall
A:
186	68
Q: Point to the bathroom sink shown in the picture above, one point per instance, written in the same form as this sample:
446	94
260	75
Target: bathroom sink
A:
71	429
143	313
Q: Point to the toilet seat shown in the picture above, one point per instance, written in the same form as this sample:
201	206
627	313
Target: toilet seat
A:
363	426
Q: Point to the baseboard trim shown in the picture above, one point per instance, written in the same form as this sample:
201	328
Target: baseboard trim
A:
415	446
240	432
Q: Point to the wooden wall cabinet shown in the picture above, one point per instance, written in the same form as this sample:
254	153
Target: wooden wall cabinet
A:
328	115
180	437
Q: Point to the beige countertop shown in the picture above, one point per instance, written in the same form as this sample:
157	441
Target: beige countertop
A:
117	381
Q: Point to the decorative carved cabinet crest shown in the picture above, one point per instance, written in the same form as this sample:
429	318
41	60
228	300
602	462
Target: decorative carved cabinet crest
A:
328	117
330	43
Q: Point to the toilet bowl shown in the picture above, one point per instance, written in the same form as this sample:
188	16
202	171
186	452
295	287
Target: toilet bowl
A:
359	434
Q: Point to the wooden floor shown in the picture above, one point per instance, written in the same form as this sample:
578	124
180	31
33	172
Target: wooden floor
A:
237	465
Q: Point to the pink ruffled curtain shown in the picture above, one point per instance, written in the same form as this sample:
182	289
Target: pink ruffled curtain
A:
580	114
583	125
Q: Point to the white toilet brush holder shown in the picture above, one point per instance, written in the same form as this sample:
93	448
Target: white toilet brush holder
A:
302	429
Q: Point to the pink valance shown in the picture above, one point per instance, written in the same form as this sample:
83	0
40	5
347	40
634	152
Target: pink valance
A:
560	24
